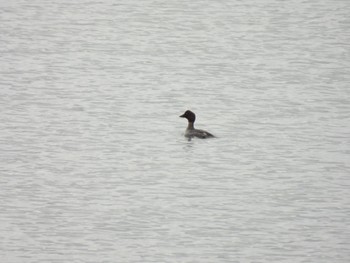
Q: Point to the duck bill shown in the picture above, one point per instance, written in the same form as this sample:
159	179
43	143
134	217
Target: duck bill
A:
182	116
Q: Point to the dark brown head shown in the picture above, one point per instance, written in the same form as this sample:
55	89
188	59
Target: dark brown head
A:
189	115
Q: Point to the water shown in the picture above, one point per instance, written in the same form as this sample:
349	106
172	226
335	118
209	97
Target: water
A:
94	167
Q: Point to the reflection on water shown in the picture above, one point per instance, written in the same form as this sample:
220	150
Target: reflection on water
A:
94	163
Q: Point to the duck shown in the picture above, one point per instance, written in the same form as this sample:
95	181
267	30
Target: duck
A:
191	132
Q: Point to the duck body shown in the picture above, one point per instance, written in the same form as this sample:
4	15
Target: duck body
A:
191	131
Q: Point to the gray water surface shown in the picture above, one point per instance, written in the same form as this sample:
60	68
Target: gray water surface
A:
94	165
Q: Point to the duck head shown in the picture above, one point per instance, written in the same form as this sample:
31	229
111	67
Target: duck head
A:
189	115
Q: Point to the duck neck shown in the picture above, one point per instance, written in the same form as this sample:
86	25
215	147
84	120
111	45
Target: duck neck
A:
190	125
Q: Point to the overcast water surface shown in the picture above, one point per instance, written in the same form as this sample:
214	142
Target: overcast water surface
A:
93	163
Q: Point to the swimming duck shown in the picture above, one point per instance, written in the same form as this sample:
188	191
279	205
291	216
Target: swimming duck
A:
191	131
